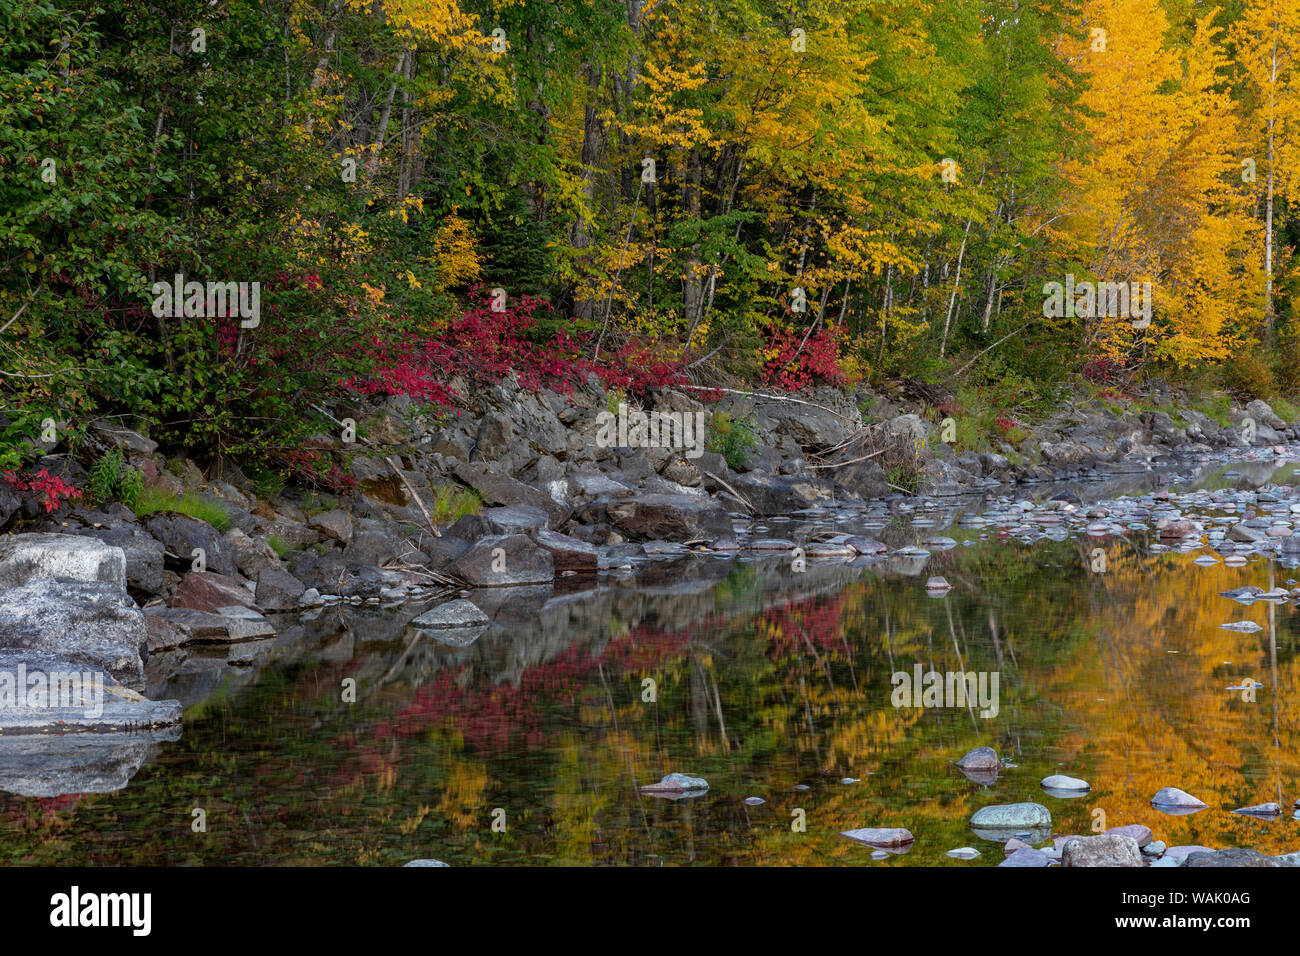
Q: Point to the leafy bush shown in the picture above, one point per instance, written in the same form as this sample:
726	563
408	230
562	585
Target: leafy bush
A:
793	363
51	490
112	479
1248	373
733	438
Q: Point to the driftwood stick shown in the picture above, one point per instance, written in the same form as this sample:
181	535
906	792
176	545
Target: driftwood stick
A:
774	398
734	493
851	461
414	494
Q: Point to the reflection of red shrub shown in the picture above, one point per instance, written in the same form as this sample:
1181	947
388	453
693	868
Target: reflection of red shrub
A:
53	491
489	716
817	621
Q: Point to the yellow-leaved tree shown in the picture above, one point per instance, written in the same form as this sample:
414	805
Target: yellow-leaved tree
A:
1158	191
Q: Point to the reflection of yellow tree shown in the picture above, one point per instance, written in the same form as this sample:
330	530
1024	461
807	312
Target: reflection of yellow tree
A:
1118	678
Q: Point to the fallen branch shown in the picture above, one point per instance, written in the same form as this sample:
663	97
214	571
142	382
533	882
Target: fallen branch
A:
851	461
734	493
774	398
416	495
962	371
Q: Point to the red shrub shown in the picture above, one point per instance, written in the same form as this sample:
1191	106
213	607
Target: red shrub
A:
485	346
52	490
793	367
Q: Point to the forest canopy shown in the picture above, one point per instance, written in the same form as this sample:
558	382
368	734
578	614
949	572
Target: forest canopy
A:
783	193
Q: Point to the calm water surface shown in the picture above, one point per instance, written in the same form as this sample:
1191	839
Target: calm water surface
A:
764	681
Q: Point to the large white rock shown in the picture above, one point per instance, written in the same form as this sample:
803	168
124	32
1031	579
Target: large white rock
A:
25	557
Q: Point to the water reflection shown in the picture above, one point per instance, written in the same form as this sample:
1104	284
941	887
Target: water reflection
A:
766	682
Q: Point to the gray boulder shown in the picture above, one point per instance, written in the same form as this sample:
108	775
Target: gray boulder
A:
1106	849
88	622
504	560
182	535
782	494
1236	857
569	554
665	517
498	489
278	590
24	557
144	555
1012	815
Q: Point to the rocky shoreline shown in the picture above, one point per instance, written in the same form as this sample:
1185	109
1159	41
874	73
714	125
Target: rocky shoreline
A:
166	603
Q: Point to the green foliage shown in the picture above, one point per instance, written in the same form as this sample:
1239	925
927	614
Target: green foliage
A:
112	479
1248	373
267	482
1216	405
451	502
278	545
153	500
733	438
1286	409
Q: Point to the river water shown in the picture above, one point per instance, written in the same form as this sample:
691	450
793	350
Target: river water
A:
529	745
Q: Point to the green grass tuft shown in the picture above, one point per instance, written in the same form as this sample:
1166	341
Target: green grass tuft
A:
451	502
153	500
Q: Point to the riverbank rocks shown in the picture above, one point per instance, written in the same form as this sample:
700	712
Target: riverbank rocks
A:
782	494
880	836
76	699
145	556
1106	849
504	560
502	490
87	622
172	627
1008	816
665	517
981	758
208	590
1235	857
24	557
568	554
1175	800
335	525
278	590
182	536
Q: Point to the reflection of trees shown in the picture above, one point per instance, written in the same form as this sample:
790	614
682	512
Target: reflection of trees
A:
760	686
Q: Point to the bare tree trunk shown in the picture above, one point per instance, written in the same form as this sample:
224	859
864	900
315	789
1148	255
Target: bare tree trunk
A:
1268	227
693	290
372	164
956	285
